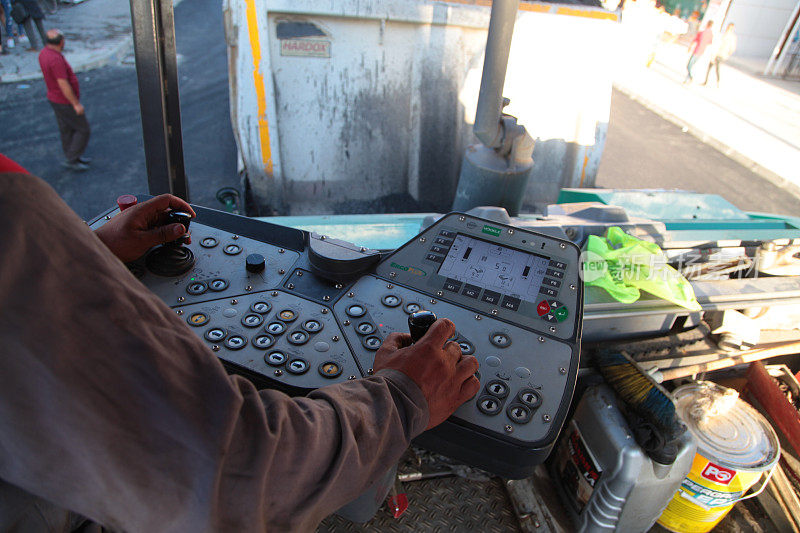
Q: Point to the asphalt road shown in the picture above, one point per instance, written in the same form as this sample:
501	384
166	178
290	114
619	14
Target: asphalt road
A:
30	136
644	151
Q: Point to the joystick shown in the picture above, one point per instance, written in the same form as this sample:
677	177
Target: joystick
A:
419	322
172	258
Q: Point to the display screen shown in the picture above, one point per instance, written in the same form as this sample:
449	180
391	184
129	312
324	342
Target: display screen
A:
498	268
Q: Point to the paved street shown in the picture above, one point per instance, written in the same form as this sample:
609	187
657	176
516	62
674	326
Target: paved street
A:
30	136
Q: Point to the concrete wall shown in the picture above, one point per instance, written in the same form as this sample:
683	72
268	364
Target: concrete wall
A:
759	24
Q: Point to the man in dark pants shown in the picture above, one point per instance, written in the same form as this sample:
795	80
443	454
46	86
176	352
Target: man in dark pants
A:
64	95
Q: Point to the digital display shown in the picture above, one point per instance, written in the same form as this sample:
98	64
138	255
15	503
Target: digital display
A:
494	267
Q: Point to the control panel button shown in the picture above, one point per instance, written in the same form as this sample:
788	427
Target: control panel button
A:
356	311
447	234
209	242
215	334
322	346
252	320
196	287
443	242
275	358
522	372
438	249
542	308
276	328
561	314
452	285
558	274
491	297
298	337
518	413
391	300
558	264
329	369
230	312
471	291
548	291
492	361
261	308
312	326
232	249
287	315
551	282
365	328
218	284
297	366
501	340
262	342
510	303
372	342
434	258
497	388
530	398
255	263
466	347
550	317
412	307
235	342
197	319
489	405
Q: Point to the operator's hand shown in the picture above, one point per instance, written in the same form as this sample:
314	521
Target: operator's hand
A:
79	110
137	229
443	374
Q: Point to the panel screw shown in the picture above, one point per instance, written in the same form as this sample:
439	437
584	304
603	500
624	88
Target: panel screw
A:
324	311
433	301
562	245
281	271
350	294
249	288
346	322
572	286
562	370
509	428
322	237
546	418
234	301
299	273
363	249
510	231
335	338
462	218
181	298
338	285
422	239
215	348
389	286
552	329
279	372
477	317
370	371
274	293
392	274
494	311
281	250
235	237
439	293
179	311
351	378
541	339
290	286
326	298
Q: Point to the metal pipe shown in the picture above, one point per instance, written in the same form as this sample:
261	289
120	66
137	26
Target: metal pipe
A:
495	62
157	73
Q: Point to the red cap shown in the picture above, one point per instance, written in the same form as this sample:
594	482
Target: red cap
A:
125	201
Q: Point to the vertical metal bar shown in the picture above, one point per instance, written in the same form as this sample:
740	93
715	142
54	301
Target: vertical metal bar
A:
157	72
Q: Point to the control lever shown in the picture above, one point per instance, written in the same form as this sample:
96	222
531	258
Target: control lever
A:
419	322
182	218
172	258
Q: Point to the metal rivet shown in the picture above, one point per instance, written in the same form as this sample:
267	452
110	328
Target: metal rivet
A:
346	322
562	370
299	273
510	231
422	239
552	329
363	249
508	428
234	301
179	311
281	250
108	217
370	371
279	372
324	311
462	218
392	274
326	298
282	271
322	237
562	245
546	418
572	286
389	286
215	348
335	338
274	293
433	301
494	311
351	294
339	285
181	298
478	317
541	339
235	237
439	293
290	286
351	378
249	288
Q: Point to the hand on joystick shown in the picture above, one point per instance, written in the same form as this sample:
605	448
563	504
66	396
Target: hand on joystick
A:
445	377
137	229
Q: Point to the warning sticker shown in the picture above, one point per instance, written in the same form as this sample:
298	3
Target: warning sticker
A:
305	47
577	468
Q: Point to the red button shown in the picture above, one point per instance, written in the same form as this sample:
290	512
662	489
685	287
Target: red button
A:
125	201
543	308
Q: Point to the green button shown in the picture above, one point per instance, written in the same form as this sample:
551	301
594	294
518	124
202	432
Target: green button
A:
561	314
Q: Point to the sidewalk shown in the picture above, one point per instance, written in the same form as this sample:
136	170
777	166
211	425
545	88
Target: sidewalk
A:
752	119
97	32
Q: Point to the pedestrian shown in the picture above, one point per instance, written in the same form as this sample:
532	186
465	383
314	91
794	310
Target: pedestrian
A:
64	96
726	48
35	13
698	47
9	36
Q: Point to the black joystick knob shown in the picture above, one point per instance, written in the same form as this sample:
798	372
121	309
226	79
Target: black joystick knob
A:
180	217
255	263
419	322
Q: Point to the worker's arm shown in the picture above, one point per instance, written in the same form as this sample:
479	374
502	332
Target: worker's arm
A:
69	94
111	407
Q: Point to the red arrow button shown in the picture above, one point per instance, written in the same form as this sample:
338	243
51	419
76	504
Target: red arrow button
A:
543	308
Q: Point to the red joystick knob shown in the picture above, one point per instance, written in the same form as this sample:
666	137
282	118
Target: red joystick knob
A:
125	201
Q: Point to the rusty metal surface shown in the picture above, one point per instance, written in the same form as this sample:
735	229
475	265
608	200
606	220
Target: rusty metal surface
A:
443	504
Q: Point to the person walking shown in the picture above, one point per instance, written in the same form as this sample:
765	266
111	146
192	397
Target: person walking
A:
36	15
64	96
9	36
697	48
726	48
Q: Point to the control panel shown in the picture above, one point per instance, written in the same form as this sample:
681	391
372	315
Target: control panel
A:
255	294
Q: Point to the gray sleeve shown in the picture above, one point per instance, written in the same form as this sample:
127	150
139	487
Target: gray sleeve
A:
111	407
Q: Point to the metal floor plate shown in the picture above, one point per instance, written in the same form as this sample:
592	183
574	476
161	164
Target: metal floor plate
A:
442	504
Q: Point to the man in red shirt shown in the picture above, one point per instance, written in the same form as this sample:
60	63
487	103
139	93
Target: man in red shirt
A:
698	47
64	96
